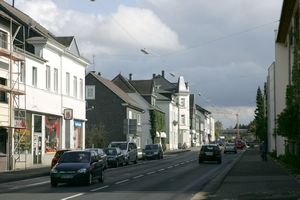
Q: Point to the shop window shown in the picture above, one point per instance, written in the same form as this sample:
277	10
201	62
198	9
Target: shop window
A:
37	123
3	39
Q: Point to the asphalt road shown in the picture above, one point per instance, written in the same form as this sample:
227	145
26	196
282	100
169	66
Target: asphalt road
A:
177	176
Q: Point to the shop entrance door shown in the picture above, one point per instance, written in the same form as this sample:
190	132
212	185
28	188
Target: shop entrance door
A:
37	139
37	148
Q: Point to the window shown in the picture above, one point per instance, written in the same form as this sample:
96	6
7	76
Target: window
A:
3	39
34	76
22	72
55	80
75	86
182	102
90	92
48	77
3	95
138	119
182	121
81	88
67	83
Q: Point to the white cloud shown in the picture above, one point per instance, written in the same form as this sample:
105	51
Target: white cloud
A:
126	30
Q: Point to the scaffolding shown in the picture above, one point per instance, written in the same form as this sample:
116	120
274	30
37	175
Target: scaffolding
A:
12	52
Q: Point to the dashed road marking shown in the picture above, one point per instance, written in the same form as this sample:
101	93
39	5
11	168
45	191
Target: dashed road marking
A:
149	173
139	176
170	167
73	196
100	188
122	181
160	170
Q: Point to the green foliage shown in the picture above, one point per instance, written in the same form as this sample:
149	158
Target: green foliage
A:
260	116
218	128
290	161
96	135
157	122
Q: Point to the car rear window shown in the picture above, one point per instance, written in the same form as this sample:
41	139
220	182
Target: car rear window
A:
150	147
122	146
209	148
80	157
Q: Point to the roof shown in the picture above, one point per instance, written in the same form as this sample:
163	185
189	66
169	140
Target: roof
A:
115	89
164	84
287	12
124	84
144	87
202	109
65	40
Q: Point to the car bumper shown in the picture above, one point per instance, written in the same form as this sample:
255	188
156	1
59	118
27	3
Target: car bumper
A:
70	178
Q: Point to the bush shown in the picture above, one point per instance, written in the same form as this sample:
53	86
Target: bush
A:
292	162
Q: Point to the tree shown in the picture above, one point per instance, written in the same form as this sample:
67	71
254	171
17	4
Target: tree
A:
260	117
218	128
96	135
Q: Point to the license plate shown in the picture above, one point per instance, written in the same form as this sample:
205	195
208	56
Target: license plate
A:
66	176
209	153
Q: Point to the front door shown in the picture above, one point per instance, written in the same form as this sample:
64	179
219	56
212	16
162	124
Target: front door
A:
37	139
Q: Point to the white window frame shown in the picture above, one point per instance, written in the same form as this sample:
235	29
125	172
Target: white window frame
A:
81	88
67	83
3	39
182	102
90	92
55	79
75	86
182	119
34	76
48	77
22	72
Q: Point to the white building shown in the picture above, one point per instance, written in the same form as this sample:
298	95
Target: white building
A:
51	76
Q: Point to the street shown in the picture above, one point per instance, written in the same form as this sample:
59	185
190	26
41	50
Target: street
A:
177	176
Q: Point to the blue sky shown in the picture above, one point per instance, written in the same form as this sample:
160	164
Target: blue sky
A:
223	48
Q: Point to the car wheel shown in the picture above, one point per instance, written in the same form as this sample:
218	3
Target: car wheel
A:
90	179
200	161
117	164
135	162
53	184
101	178
219	161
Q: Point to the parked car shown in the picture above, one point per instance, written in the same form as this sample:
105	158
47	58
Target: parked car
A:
153	151
102	155
129	149
210	152
57	156
230	147
77	167
115	157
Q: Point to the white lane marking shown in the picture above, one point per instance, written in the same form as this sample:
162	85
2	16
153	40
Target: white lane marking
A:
100	188
139	176
122	181
182	163
161	170
149	173
170	167
29	185
176	165
73	196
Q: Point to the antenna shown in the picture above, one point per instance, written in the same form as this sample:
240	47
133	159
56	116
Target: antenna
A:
93	62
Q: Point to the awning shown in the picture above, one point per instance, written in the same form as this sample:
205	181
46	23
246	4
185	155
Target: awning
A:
163	135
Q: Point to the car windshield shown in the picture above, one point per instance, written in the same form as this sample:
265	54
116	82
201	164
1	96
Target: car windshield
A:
111	151
229	144
122	146
58	154
150	147
78	157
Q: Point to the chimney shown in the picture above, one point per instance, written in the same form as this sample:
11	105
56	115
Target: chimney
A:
130	76
163	73
99	73
153	76
93	72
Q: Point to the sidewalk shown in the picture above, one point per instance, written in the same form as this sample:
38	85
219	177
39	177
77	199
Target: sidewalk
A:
252	178
24	174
